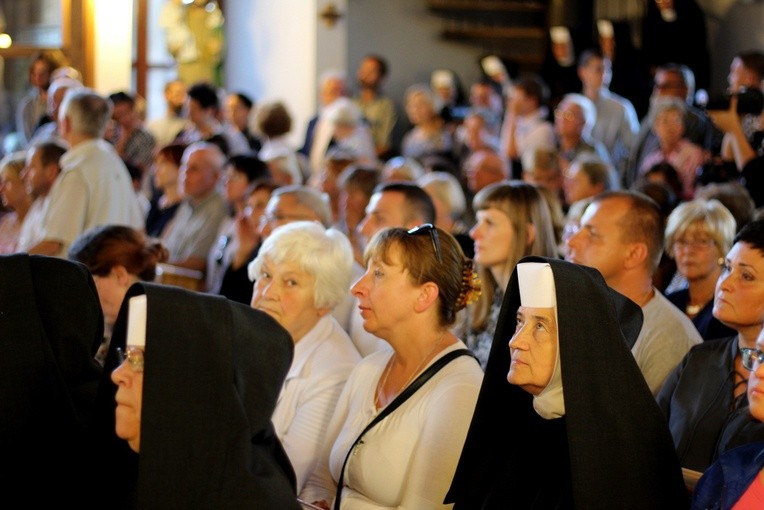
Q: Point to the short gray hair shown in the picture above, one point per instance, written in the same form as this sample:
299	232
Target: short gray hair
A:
87	111
213	156
588	110
308	197
669	104
448	190
325	254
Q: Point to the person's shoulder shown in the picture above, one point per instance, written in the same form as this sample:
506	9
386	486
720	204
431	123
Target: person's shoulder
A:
217	202
660	308
695	114
385	101
464	368
711	350
335	343
368	367
144	135
661	314
678	298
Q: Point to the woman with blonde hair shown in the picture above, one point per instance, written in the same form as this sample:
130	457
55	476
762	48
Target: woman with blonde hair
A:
513	221
14	196
698	234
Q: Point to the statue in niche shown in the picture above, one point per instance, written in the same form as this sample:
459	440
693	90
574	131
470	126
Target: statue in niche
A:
195	39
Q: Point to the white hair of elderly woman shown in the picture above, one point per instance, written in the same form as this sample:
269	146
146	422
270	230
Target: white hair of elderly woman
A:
323	253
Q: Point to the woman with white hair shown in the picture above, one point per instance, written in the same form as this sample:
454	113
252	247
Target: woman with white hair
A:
301	273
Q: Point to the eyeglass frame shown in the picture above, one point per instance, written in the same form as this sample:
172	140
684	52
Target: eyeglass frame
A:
434	238
273	218
750	357
565	115
128	354
696	244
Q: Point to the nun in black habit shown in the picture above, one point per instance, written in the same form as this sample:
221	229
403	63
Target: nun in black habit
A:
211	371
592	437
50	327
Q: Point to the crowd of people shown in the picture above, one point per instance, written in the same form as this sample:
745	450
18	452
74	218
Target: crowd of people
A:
536	298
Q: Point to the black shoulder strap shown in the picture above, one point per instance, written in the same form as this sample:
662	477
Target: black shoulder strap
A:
396	403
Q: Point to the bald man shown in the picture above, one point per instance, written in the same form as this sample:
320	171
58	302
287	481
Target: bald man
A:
194	229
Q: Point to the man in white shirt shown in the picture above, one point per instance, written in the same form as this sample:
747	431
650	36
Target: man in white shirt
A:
526	127
617	124
319	132
94	187
41	171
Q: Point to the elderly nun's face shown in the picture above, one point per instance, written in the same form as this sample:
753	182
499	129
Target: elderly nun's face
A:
533	349
286	292
128	377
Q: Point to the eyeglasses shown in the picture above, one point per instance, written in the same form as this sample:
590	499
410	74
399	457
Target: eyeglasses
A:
697	244
663	85
565	115
274	218
751	357
133	356
428	228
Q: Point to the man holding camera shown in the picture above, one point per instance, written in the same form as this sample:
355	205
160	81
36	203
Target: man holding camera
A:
743	122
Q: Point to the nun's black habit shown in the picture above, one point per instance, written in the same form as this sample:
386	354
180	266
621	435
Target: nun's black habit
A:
612	448
213	372
50	328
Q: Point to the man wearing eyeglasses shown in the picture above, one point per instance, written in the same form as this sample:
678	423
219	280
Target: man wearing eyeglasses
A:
621	235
